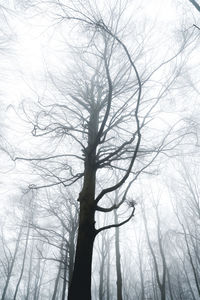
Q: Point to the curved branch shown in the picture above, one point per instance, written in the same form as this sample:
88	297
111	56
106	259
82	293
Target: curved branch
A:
122	181
116	206
102	26
103	209
109	100
116	225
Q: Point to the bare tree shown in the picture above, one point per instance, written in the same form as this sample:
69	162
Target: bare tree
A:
23	263
187	210
10	259
102	250
10	256
104	111
141	266
161	276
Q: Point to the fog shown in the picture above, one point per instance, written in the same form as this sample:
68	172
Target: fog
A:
99	153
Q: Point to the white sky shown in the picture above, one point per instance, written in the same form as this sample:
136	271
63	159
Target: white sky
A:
36	37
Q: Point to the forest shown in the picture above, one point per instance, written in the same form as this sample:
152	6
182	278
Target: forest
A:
99	150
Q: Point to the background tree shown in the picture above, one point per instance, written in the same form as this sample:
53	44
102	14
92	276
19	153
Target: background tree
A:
160	271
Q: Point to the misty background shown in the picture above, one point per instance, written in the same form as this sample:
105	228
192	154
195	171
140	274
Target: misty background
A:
63	66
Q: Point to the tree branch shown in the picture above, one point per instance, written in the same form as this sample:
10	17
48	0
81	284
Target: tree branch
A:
116	206
46	158
196	5
116	225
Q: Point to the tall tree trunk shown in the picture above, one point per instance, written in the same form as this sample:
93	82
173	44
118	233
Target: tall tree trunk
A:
195	272
57	282
37	279
162	254
101	271
3	297
23	263
189	284
142	296
108	275
29	273
71	253
161	279
81	278
118	260
59	271
169	284
65	272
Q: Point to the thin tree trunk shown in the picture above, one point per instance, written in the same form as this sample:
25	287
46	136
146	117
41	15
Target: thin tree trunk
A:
23	263
101	291
189	284
3	297
141	276
64	274
192	265
162	254
161	280
37	280
118	260
40	281
108	275
29	273
169	284
71	253
57	282
101	272
139	250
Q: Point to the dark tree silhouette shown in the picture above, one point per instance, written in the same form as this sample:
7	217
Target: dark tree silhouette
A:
103	110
